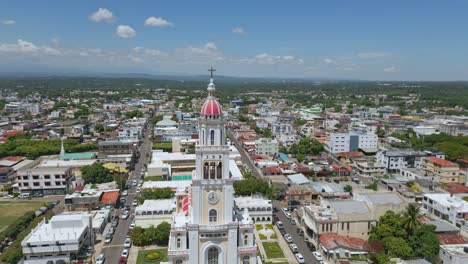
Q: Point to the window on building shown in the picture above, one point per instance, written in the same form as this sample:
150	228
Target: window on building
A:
212	137
213	256
246	260
246	240
179	261
213	216
178	242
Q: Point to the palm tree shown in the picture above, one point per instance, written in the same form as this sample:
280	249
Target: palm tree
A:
410	218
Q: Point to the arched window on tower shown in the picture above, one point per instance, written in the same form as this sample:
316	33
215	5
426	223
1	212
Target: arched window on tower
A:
213	256
206	170
213	216
246	240
246	260
178	242
212	137
219	171
212	170
179	261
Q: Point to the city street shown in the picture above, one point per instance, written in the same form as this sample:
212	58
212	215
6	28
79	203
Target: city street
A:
114	249
291	229
246	160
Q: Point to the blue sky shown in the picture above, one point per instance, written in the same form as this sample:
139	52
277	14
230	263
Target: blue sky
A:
375	40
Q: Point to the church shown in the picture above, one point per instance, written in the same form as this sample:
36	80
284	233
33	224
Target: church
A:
205	228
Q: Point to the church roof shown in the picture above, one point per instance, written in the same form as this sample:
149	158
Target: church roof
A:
211	107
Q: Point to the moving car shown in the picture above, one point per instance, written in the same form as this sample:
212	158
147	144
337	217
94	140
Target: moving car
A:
288	238
100	259
127	243
300	258
134	182
294	248
125	253
317	255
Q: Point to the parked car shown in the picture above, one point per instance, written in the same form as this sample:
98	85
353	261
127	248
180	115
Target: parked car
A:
123	260
294	248
125	193
317	255
283	232
134	182
328	180
108	238
300	258
132	224
125	215
288	238
293	222
280	225
285	209
125	253
100	259
127	243
135	203
9	196
111	230
288	215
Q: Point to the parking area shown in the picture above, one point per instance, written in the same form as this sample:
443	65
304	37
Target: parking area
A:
292	230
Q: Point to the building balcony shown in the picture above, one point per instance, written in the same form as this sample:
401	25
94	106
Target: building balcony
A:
177	253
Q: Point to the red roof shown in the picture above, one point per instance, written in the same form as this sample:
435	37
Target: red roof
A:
441	162
350	154
13	158
211	107
110	197
79	187
456	188
269	170
452	239
12	132
331	241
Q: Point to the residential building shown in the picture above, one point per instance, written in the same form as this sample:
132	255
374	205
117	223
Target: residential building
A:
454	254
446	170
394	160
342	247
266	146
446	206
58	240
352	141
46	181
369	168
116	147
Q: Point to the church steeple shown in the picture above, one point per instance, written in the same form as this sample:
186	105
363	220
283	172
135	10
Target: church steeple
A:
62	149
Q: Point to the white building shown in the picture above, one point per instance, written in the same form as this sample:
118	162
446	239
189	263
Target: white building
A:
352	141
266	146
394	160
206	230
446	206
58	239
154	212
454	254
424	130
260	209
367	168
46	181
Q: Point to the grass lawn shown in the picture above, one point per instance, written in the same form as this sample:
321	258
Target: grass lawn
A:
142	253
12	209
273	250
153	178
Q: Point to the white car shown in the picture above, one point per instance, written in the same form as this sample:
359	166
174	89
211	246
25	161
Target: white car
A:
125	253
124	215
135	203
285	209
288	215
8	196
134	182
294	248
100	259
127	243
132	224
288	238
125	193
300	258
138	189
108	238
317	255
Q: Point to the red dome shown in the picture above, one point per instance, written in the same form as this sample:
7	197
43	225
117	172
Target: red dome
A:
211	107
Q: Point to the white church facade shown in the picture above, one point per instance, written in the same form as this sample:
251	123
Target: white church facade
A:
205	228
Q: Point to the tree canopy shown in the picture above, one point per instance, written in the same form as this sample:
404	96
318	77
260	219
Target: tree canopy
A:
306	146
96	173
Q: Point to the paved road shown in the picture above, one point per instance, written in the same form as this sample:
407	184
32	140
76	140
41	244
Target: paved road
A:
246	160
114	249
298	240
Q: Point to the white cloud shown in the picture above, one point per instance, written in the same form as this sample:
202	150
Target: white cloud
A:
125	31
157	22
391	69
372	55
102	14
149	52
269	59
7	22
238	31
328	61
22	46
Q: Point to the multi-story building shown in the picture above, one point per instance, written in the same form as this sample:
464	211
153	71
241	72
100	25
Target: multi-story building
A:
46	181
59	239
266	146
116	147
260	209
367	168
446	170
154	212
394	160
281	128
131	131
207	230
454	254
352	141
446	206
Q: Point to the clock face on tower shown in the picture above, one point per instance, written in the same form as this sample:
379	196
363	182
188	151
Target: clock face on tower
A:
212	197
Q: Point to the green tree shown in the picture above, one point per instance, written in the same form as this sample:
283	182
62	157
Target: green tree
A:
424	242
397	247
96	173
348	188
389	225
410	218
380	132
162	235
